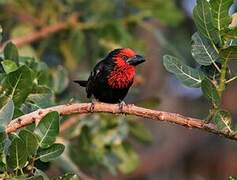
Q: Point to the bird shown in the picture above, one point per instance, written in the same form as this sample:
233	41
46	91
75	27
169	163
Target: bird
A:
111	78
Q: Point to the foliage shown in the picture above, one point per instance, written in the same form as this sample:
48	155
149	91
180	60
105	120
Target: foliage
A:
212	50
37	75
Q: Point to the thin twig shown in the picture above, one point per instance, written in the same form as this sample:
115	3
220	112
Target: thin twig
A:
44	32
83	108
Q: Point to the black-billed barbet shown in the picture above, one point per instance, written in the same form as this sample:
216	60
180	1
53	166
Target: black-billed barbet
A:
112	77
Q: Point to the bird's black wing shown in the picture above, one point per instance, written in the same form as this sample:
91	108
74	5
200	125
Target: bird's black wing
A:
98	76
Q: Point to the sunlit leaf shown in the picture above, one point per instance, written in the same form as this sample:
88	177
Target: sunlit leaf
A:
48	129
210	92
204	21
9	66
129	158
203	51
50	153
187	75
6	113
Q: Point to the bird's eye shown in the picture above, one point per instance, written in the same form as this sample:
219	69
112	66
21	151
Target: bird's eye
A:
124	57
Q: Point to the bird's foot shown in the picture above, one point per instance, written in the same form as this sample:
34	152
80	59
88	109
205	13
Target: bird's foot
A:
121	106
92	106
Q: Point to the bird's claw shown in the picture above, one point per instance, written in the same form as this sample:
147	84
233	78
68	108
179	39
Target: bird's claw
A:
121	106
92	106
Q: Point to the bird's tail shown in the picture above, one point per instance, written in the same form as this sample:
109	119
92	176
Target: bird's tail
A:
81	83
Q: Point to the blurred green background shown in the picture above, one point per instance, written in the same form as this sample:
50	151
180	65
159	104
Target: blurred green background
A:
70	36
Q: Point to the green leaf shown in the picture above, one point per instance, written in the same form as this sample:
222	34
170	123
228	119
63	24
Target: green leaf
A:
17	154
11	53
129	158
9	66
229	53
3	136
60	80
6	113
31	141
210	92
203	51
223	120
139	131
187	75
203	19
67	176
220	12
50	153
40	173
17	85
48	129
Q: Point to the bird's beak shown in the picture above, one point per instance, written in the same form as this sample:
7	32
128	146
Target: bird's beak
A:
135	60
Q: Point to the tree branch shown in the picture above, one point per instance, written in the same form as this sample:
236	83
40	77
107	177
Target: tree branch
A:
83	108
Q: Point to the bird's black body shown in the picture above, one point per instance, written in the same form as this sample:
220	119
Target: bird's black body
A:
98	81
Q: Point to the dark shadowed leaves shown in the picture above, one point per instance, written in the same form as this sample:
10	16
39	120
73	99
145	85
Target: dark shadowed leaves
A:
17	154
187	75
31	141
11	53
48	129
229	53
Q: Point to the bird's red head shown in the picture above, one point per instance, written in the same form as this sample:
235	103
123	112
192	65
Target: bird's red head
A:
125	60
125	57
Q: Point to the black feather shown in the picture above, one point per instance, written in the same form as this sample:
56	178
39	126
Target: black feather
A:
81	83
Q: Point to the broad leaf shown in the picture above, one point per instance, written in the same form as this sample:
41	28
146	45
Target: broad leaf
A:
229	53
18	84
210	92
187	75
48	129
11	53
223	120
17	154
203	19
31	141
60	80
9	66
129	158
50	153
203	51
6	113
139	131
2	138
68	176
220	12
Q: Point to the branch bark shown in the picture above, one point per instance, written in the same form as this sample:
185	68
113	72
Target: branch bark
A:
84	108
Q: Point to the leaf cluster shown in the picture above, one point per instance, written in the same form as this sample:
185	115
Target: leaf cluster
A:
213	47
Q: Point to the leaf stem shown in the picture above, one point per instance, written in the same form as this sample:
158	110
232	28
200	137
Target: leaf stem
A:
223	77
231	79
